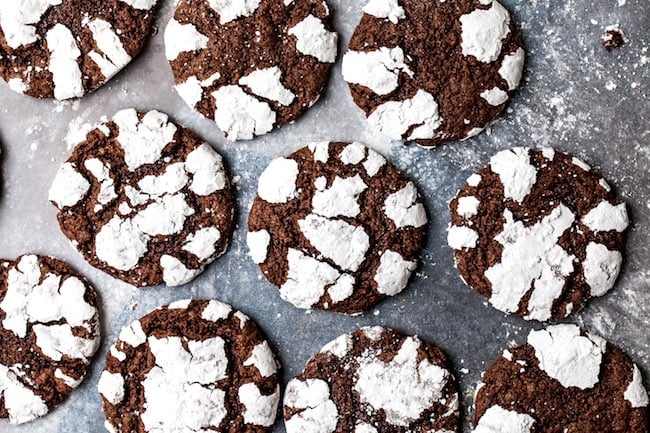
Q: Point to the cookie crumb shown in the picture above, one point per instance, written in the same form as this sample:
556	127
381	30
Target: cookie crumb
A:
613	38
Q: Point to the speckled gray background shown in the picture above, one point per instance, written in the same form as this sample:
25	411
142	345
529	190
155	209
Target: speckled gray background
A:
575	97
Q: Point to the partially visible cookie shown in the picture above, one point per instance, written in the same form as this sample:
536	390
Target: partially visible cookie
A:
190	366
433	71
335	226
538	233
145	200
48	333
373	380
66	48
562	381
251	65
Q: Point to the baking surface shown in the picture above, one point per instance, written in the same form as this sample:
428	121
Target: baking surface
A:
575	96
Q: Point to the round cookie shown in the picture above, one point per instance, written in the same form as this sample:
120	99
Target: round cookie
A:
562	381
145	200
335	226
433	71
49	330
66	48
250	65
373	380
190	366
538	233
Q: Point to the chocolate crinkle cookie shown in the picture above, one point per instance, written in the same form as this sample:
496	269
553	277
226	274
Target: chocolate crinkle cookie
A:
373	380
250	65
538	233
562	381
433	71
49	330
145	200
66	48
191	366
335	226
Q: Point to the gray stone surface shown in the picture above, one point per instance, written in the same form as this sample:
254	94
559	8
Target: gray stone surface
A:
575	97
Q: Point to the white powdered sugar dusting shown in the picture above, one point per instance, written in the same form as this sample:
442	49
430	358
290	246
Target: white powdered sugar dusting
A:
175	273
68	187
180	38
258	245
259	409
515	171
111	387
495	96
403	209
340	199
499	420
277	183
395	118
483	31
313	39
567	356
635	392
388	9
17	20
263	360
229	10
339	347
114	55
459	237
467	206
240	115
600	268
267	83
393	273
512	68
343	243
402	387
180	391
21	403
606	217
215	311
531	257
64	54
202	242
377	70
318	415
37	299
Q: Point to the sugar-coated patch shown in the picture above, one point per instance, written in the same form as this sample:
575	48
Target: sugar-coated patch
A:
318	412
277	184
240	115
174	271
393	273
263	360
403	387
459	237
512	68
21	403
258	244
388	9
181	38
259	409
635	392
339	199
606	217
267	83
499	420
313	39
69	186
18	20
111	387
531	257
404	208
377	70
468	206
495	96
418	114
114	56
229	10
515	171
64	66
215	311
567	356
601	268
339	347
483	31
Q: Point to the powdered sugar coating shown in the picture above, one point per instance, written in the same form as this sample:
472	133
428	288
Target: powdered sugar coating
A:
395	118
398	382
499	420
566	355
50	330
327	254
53	58
171	201
538	273
272	68
195	382
377	70
483	30
635	392
388	9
